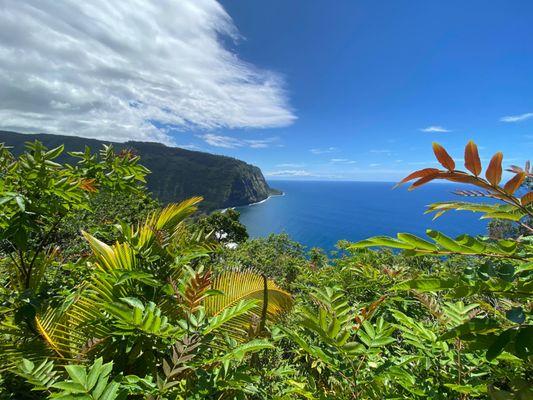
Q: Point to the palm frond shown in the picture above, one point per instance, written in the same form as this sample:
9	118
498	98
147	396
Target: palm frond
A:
272	302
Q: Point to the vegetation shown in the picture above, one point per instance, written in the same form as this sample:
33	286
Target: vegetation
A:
177	174
106	295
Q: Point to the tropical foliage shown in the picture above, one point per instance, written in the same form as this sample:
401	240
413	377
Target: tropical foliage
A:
107	296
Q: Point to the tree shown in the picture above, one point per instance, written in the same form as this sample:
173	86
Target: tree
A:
38	194
225	226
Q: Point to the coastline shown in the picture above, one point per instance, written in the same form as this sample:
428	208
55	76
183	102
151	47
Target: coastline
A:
251	204
262	201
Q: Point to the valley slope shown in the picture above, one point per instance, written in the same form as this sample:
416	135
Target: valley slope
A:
176	173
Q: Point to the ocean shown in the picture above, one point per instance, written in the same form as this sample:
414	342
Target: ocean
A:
320	213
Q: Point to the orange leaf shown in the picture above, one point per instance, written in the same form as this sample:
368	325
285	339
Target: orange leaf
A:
443	157
494	171
472	161
527	199
417	174
514	183
88	185
424	180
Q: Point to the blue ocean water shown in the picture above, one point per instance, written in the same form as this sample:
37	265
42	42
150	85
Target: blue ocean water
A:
321	213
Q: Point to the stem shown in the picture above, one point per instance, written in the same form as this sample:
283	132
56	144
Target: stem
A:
265	305
526	226
453	253
44	242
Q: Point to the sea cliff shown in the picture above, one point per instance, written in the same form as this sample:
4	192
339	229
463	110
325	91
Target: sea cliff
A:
176	173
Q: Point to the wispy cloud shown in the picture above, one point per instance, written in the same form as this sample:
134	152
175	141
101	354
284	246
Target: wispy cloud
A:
289	173
375	165
324	150
188	146
124	79
435	128
342	161
516	118
290	165
381	151
229	142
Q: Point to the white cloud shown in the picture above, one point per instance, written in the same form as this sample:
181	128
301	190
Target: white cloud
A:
435	128
229	142
342	161
381	151
290	165
323	151
375	165
289	172
516	118
109	69
188	146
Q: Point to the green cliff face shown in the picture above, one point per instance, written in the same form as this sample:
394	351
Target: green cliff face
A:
176	174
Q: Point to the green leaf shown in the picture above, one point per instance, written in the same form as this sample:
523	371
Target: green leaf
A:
417	242
228	314
447	242
427	284
77	373
133	301
379	241
477	325
499	344
524	342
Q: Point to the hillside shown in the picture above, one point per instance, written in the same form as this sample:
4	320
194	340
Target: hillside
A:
176	173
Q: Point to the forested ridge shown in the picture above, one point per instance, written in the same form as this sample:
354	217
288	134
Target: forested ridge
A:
175	173
106	294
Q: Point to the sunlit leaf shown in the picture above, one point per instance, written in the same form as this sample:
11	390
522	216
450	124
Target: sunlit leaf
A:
514	183
494	170
443	157
472	161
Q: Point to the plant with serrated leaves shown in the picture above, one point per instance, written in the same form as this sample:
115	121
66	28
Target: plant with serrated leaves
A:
500	283
345	352
37	193
150	292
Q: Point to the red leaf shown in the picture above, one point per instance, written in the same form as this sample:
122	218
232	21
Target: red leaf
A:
472	161
494	171
527	199
417	174
514	183
443	157
424	180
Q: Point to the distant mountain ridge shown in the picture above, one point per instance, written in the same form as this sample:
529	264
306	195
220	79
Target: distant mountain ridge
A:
176	173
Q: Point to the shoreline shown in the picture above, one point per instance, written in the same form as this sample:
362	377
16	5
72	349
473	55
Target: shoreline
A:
262	201
251	204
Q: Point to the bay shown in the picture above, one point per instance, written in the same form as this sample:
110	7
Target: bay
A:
320	213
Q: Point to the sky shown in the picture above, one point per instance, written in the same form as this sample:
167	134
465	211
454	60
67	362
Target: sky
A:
305	89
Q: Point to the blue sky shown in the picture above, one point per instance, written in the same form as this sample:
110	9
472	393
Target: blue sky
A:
364	78
351	90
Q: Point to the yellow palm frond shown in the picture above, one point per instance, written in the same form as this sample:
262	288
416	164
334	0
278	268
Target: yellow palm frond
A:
111	259
59	332
272	302
164	224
